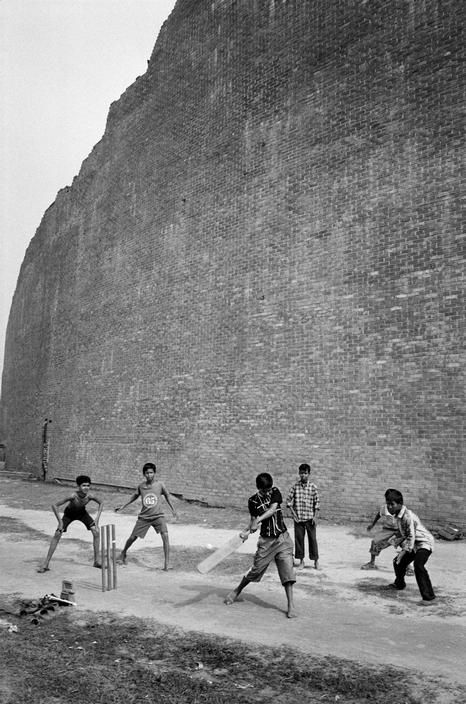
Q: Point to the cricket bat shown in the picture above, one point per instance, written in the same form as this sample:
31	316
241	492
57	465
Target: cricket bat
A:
221	553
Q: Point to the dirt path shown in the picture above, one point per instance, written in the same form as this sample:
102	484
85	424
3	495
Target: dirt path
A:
342	611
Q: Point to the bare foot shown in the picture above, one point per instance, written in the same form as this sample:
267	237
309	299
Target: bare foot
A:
317	566
121	559
300	566
291	613
369	566
43	569
230	598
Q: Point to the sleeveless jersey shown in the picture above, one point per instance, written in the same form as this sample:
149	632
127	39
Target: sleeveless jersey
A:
151	502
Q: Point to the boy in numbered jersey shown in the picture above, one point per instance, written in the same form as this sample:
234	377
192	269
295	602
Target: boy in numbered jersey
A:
150	492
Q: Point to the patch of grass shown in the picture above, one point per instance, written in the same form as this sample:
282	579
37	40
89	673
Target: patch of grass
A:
98	658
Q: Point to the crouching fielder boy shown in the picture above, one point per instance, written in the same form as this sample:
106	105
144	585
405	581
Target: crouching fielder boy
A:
76	510
274	542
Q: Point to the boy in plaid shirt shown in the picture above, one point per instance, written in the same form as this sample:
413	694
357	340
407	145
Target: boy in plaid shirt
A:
304	503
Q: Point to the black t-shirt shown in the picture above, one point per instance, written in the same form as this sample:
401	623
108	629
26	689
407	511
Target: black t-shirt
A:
258	504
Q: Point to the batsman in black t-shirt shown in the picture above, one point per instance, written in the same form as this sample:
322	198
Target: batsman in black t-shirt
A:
274	541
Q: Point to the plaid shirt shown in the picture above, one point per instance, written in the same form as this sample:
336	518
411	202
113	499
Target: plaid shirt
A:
304	500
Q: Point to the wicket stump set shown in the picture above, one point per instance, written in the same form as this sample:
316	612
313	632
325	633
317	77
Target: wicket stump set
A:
108	557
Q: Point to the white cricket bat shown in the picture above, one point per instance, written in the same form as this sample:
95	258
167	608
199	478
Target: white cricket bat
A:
221	553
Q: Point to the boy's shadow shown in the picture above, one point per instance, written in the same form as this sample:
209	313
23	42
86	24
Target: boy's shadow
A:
206	591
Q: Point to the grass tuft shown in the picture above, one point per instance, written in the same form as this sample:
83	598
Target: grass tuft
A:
99	658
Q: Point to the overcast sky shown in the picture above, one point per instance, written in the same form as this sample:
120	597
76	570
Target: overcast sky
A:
62	62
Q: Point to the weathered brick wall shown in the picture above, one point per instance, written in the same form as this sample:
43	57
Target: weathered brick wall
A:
261	263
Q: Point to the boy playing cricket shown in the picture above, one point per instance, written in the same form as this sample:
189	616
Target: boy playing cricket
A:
274	542
304	504
416	546
151	514
385	534
76	511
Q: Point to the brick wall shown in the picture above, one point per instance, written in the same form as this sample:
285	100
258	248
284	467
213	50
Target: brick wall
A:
261	263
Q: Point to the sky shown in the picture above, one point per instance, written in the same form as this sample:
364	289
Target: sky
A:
62	63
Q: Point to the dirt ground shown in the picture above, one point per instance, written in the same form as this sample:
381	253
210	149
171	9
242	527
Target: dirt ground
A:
343	611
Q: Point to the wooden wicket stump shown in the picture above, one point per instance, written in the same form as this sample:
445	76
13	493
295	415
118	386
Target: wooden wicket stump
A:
108	557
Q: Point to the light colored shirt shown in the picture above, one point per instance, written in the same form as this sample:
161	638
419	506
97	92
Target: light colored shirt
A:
151	500
386	520
304	500
415	535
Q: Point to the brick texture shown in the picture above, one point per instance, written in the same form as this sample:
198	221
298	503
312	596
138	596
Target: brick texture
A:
261	263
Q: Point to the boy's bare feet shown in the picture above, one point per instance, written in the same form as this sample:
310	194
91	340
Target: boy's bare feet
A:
317	566
291	613
230	598
42	569
369	566
299	565
121	559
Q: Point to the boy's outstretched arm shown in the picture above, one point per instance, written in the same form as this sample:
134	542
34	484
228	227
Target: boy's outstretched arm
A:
99	511
290	505
133	498
166	495
249	529
408	532
293	514
376	518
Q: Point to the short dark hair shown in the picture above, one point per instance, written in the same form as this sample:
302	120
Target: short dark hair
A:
149	465
264	481
304	468
394	495
83	479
